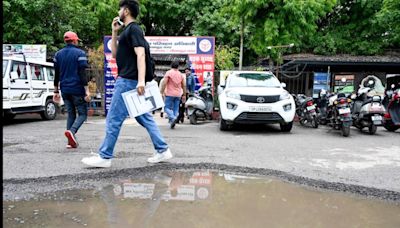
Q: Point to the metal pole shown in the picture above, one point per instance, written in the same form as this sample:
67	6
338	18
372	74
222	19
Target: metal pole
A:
241	43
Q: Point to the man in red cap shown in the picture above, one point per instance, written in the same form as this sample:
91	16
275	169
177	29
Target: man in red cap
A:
70	77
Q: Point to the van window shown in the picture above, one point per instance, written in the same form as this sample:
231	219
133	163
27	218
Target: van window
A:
5	64
37	72
20	68
50	74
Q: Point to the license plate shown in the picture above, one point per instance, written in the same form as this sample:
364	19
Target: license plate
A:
344	111
309	108
260	109
376	118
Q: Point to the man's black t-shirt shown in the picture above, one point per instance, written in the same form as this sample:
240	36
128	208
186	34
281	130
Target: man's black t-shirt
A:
131	37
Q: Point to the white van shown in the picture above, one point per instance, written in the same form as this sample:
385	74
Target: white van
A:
28	88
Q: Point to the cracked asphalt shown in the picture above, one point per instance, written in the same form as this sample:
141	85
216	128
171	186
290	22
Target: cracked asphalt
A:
35	157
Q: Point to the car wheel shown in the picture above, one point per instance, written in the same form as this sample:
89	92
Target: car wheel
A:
287	127
223	126
50	110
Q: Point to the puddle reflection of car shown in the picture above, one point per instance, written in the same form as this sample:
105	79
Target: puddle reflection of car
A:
250	97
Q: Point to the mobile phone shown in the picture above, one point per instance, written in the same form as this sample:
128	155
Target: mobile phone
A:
120	22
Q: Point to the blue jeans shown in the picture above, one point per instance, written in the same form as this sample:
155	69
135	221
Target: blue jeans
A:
72	104
92	104
172	107
118	113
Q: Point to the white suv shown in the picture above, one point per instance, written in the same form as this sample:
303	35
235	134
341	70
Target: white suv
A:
251	97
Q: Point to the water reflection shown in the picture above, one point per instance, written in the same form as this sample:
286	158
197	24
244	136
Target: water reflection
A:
200	199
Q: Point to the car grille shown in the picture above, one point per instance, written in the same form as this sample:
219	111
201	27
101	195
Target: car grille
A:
259	116
257	99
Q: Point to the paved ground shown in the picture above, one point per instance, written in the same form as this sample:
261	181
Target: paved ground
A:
33	148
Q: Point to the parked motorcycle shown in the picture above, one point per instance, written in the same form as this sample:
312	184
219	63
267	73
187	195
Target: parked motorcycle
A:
322	105
200	105
339	114
306	110
392	116
367	111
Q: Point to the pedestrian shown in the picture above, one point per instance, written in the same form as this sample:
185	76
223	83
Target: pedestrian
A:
70	78
176	90
130	52
190	81
93	92
209	79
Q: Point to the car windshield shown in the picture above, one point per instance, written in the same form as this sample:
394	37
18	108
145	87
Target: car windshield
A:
253	80
5	63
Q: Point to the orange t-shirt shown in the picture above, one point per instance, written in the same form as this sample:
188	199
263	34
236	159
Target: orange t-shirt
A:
174	83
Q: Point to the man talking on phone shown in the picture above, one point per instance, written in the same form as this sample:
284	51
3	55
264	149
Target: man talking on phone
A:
129	52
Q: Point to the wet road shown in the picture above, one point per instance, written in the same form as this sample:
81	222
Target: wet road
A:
198	198
36	149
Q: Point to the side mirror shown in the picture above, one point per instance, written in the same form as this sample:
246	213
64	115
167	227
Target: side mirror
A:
14	75
283	85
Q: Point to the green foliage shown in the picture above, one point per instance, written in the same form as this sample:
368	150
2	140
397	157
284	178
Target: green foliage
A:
320	26
45	22
279	22
359	27
226	57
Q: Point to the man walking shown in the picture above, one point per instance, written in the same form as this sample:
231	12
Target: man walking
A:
176	90
70	77
130	53
190	81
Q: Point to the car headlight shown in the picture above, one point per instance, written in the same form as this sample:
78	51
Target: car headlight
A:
285	95
233	95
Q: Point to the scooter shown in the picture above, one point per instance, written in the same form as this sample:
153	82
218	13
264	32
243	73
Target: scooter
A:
367	111
339	114
392	116
200	105
306	110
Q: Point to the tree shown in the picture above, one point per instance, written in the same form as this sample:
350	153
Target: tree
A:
359	27
279	22
226	57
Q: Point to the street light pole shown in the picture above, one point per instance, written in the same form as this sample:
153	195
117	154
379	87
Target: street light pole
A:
241	42
279	55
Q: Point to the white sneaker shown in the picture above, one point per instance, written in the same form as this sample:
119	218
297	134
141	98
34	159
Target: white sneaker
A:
97	161
159	157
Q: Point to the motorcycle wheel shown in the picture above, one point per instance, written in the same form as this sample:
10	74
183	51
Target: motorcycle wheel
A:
314	122
345	131
390	126
302	122
193	119
372	129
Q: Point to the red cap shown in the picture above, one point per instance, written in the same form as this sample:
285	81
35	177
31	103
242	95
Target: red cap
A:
70	36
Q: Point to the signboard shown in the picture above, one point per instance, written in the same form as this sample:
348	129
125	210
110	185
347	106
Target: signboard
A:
344	87
321	81
31	51
110	73
200	52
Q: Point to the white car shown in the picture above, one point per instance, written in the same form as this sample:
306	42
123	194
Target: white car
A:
251	97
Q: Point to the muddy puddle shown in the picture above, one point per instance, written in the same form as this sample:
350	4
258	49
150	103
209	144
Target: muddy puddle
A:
199	199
